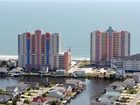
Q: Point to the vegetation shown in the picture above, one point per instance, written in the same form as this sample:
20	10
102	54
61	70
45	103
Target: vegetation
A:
1	90
138	103
52	83
54	103
44	95
29	94
84	64
29	89
14	102
6	104
112	76
124	99
26	101
131	91
6	64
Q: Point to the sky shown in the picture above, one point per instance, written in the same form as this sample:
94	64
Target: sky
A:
70	19
77	0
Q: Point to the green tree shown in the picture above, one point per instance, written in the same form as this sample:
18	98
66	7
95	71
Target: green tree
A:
14	102
53	103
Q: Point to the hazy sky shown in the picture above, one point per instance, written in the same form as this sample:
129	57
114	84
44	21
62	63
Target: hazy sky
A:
74	19
78	0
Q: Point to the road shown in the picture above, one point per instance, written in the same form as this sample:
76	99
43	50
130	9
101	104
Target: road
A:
136	99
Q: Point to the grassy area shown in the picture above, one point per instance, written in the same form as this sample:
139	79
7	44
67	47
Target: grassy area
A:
84	64
131	91
138	103
6	104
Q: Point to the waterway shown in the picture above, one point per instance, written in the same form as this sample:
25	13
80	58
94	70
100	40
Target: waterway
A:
94	87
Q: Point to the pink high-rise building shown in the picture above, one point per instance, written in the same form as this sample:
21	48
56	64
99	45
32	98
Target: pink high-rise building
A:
37	51
107	45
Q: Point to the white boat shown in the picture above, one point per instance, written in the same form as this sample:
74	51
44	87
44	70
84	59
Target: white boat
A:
15	74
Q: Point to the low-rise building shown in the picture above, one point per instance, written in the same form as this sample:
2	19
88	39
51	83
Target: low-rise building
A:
39	101
16	90
3	71
79	73
117	86
136	77
60	72
13	90
22	87
60	88
128	63
16	71
55	93
4	98
65	60
74	84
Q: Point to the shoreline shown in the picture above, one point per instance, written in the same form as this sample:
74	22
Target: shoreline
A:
7	57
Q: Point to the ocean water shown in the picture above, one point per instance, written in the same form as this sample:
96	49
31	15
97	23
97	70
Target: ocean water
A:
73	19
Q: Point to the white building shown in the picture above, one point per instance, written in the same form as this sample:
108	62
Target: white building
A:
79	73
128	63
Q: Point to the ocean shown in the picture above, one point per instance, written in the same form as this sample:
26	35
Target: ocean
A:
73	19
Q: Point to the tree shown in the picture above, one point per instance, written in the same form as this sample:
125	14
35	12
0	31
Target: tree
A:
53	103
7	104
14	102
4	63
26	101
1	90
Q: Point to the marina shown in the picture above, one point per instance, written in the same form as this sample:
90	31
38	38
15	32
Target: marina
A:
93	87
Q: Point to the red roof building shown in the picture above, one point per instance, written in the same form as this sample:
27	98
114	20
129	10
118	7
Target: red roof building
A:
40	101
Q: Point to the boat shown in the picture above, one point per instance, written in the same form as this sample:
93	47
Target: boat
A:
15	74
98	99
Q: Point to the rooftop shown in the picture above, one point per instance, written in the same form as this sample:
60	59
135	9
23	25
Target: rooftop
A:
117	84
39	99
132	57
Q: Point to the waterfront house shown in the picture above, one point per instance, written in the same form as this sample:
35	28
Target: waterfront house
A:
73	81
40	101
109	98
60	88
69	89
55	93
108	89
136	77
3	72
117	86
16	72
60	72
18	89
22	87
79	73
12	63
4	98
34	85
127	63
14	90
129	83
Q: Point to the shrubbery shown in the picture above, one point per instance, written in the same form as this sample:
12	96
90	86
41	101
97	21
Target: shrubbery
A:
26	101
